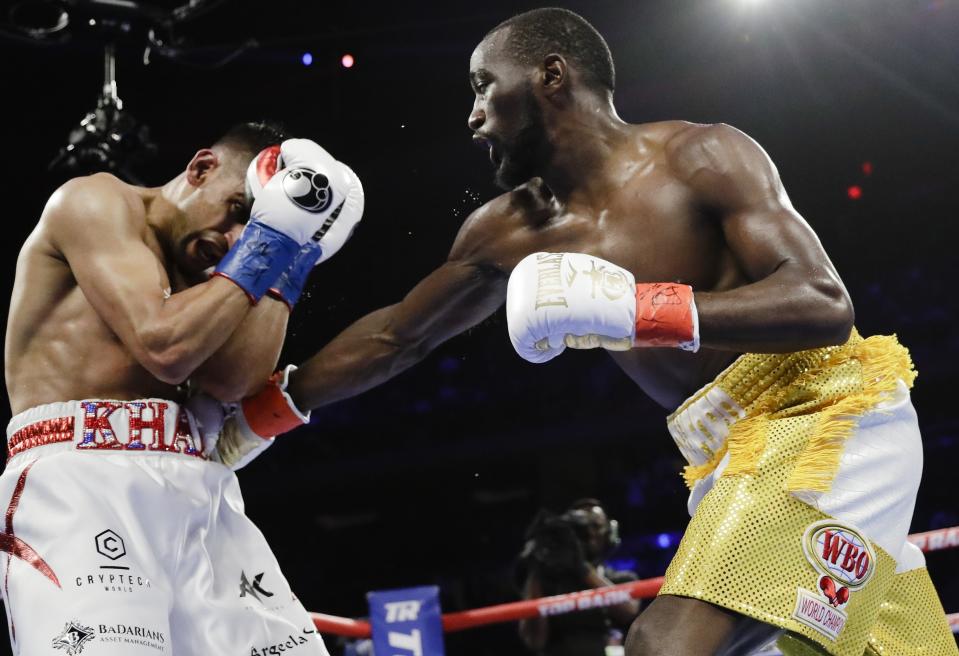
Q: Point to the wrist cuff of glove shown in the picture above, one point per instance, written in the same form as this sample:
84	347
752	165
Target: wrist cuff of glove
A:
289	286
257	259
271	411
666	316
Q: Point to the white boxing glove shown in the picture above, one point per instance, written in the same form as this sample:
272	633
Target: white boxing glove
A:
226	438
254	422
339	227
336	229
302	195
237	445
555	300
293	206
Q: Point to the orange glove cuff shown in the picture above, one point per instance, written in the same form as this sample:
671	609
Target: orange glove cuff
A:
666	316
270	411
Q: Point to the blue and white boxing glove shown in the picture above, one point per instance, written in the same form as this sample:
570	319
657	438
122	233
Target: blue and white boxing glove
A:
299	191
325	242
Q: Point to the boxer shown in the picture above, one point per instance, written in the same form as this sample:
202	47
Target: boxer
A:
121	535
675	247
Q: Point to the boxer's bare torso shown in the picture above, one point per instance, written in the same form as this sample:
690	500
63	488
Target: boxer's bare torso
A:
647	221
110	300
671	201
57	346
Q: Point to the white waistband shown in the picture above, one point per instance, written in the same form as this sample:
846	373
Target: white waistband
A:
702	424
154	426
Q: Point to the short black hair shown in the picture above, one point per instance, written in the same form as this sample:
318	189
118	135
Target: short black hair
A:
539	32
253	136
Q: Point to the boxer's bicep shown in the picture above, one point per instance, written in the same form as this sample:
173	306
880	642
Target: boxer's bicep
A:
453	298
793	298
465	290
733	178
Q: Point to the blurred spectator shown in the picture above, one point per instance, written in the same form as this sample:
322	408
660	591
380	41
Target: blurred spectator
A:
564	554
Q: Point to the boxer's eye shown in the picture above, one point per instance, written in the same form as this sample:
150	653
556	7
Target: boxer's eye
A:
239	211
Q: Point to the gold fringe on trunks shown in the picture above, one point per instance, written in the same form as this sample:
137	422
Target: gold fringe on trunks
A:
883	361
848	382
693	473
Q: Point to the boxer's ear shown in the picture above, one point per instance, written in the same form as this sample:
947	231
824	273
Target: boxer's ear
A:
201	166
555	73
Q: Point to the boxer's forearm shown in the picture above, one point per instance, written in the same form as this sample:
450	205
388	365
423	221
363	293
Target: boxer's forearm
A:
249	356
790	310
366	354
181	332
453	298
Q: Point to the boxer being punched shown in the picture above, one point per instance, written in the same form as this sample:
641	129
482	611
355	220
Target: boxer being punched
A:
675	246
121	536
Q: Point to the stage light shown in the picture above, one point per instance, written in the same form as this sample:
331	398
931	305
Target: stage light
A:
867	168
347	60
664	540
307	58
854	192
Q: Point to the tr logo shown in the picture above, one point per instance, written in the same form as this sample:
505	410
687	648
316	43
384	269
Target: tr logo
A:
111	545
402	611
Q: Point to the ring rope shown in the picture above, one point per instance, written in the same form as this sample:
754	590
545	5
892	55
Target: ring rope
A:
936	540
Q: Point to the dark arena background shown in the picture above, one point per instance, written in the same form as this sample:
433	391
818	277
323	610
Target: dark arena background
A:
433	478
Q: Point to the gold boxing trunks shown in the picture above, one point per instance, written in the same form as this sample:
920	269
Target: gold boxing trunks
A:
803	469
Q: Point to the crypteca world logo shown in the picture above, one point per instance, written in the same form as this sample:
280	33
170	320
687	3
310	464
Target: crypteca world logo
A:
73	638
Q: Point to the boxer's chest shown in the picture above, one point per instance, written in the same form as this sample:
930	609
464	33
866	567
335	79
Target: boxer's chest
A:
652	227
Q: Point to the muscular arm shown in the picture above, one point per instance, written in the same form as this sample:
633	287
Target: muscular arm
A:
456	296
249	356
99	232
795	299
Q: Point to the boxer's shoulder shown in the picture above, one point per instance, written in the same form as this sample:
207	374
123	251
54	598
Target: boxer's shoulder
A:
93	203
526	206
495	228
691	148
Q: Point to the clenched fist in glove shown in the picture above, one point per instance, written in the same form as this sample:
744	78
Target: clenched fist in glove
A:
306	205
555	300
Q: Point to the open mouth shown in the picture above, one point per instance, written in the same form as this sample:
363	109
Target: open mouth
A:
483	142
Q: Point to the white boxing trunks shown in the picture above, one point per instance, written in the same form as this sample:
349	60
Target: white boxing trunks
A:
120	538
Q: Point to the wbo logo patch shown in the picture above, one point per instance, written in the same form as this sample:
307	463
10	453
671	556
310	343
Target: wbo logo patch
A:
845	561
841	552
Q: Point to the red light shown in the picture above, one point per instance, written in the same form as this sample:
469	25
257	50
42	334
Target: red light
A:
347	60
854	192
867	168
